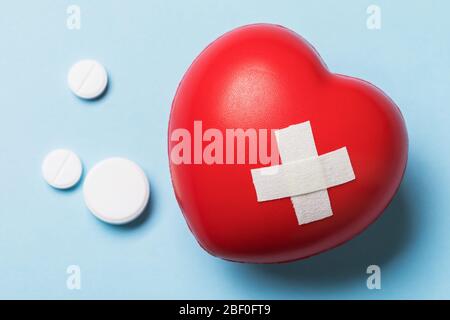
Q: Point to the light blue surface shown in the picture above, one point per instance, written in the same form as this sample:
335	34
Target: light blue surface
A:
146	47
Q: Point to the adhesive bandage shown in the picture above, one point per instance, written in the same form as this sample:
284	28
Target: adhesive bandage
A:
304	176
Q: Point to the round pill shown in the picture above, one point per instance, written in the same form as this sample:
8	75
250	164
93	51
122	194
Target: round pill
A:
87	79
116	190
62	169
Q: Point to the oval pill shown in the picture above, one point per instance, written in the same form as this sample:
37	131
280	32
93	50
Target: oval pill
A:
116	190
62	169
87	79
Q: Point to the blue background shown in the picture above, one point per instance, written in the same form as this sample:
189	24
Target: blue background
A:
146	47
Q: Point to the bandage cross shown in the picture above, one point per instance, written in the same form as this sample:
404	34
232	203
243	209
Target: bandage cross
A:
304	176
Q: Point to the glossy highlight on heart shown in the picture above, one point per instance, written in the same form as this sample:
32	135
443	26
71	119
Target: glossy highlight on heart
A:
266	77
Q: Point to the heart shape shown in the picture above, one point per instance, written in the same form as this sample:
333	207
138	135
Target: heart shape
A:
267	77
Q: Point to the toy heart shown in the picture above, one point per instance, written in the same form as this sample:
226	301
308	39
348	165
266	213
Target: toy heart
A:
267	77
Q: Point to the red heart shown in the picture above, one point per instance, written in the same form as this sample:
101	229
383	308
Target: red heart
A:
267	77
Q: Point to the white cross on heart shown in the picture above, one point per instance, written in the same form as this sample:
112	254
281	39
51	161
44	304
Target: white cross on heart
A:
304	176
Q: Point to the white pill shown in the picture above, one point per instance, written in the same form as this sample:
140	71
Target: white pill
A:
62	169
116	190
87	79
